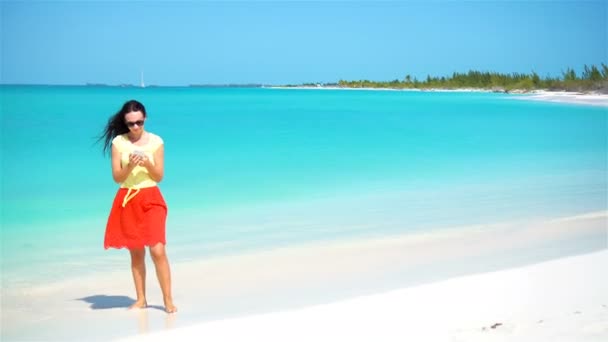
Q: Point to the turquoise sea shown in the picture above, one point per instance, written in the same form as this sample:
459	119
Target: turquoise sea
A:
249	169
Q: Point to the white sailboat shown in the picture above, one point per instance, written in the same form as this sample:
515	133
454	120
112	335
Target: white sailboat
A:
141	81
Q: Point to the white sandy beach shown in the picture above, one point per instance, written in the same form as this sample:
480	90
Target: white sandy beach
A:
568	97
542	280
537	95
562	299
559	300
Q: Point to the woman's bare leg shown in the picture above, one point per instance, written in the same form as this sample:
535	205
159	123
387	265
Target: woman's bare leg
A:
138	268
163	272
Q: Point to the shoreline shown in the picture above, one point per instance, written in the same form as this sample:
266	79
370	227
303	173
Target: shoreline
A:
557	300
594	99
581	98
271	282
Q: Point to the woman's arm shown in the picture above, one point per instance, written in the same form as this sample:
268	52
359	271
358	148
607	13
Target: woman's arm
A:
156	170
118	172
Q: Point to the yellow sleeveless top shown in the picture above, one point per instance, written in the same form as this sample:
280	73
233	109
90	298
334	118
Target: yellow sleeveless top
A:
139	177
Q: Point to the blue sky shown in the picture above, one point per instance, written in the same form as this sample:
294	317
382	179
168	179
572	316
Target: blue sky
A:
280	42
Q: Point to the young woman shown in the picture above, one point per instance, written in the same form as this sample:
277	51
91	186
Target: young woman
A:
139	212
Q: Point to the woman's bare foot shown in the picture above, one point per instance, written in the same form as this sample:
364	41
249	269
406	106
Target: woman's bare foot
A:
169	307
139	304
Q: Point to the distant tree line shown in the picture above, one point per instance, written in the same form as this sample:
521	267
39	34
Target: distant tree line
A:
591	79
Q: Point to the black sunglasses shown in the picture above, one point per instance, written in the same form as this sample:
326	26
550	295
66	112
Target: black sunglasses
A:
133	123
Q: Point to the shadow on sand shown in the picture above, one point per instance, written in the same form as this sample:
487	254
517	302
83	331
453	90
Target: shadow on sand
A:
100	302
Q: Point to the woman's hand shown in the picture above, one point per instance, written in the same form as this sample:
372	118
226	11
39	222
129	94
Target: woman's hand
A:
135	159
145	162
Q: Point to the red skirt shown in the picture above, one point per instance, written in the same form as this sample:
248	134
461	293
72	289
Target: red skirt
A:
137	220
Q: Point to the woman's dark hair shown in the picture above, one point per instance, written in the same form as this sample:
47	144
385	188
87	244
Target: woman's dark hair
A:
116	124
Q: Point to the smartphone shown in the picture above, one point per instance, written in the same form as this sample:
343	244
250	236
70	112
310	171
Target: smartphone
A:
139	153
